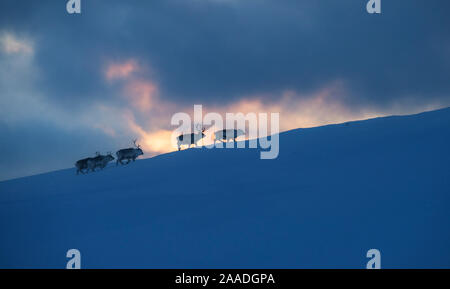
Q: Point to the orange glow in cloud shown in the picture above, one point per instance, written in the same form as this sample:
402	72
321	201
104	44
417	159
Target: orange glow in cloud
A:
142	94
302	111
121	70
323	107
155	142
295	111
158	141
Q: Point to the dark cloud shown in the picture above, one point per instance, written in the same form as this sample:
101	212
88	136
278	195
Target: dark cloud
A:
217	51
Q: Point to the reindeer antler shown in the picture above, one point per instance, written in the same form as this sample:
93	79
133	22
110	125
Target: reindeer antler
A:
136	145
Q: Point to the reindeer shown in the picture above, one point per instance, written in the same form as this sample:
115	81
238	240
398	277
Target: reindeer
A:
129	154
190	138
82	165
226	134
99	161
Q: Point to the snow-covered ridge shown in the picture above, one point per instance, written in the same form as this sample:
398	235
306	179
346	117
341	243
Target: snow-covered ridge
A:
333	193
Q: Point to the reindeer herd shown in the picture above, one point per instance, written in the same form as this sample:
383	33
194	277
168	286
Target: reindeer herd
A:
130	154
221	135
100	161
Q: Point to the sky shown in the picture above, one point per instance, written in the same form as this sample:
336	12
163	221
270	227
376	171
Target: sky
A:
72	85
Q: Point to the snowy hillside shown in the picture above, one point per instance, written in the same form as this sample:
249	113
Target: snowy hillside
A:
333	193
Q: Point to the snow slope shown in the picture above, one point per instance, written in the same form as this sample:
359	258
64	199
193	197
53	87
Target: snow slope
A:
334	193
